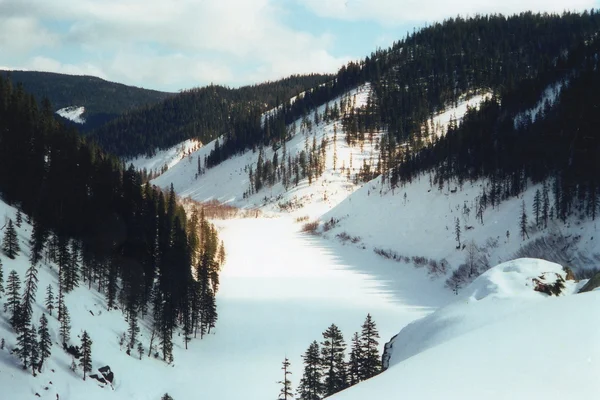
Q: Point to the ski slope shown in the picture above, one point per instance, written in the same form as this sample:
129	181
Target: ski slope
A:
500	340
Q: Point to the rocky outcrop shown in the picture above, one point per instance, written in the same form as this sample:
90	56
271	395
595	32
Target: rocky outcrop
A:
592	284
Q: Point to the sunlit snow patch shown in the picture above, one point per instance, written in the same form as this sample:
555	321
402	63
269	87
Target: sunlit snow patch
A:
73	113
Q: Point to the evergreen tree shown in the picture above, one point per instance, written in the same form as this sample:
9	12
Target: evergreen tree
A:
166	396
65	326
537	206
332	359
10	242
311	387
286	384
25	341
545	204
34	355
370	359
140	349
354	364
19	219
457	232
49	299
29	292
45	342
13	287
133	330
86	354
1	280
523	222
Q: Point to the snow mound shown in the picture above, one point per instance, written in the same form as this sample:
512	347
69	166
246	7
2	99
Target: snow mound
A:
500	292
73	113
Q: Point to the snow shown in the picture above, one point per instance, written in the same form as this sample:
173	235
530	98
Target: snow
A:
228	181
168	157
549	96
273	301
512	343
73	113
438	124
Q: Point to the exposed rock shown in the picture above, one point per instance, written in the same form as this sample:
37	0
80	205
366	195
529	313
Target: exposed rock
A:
98	378
107	373
549	283
592	284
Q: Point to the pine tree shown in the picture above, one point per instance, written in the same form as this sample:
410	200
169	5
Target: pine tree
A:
537	206
10	242
332	359
140	349
19	219
286	388
166	396
25	341
45	342
29	292
354	364
545	204
457	232
34	355
65	326
13	287
370	360
1	280
523	222
86	354
49	299
311	387
133	330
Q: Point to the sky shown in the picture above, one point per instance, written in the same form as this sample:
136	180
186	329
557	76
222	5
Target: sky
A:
178	44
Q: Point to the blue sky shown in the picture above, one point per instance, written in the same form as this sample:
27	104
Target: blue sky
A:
177	44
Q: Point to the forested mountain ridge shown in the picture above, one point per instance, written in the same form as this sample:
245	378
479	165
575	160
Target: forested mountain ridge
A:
102	100
102	227
202	113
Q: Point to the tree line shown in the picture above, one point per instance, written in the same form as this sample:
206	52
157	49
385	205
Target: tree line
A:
101	226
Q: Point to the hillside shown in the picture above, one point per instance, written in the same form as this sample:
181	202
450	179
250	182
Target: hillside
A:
502	337
86	100
201	114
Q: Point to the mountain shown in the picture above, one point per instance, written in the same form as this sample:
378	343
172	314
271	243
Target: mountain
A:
444	189
201	114
87	101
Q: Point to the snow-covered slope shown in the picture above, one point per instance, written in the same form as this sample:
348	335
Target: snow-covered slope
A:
73	113
166	158
499	340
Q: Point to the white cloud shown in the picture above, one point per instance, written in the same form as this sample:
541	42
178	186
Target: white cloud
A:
399	12
22	34
242	32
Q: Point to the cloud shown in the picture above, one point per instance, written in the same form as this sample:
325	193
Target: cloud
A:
394	13
193	40
23	34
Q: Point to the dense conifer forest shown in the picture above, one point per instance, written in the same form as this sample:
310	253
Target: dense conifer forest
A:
103	228
103	100
203	113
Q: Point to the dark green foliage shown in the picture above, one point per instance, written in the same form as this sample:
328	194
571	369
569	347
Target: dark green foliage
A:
49	299
10	242
140	349
45	342
34	355
203	113
65	326
19	219
30	290
1	280
103	100
85	362
25	341
311	386
354	363
13	287
166	396
370	361
332	361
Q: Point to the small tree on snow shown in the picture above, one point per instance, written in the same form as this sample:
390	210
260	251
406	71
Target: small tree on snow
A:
49	299
10	243
457	232
86	354
523	222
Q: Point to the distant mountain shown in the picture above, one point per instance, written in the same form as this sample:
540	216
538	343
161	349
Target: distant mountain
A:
101	100
201	113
